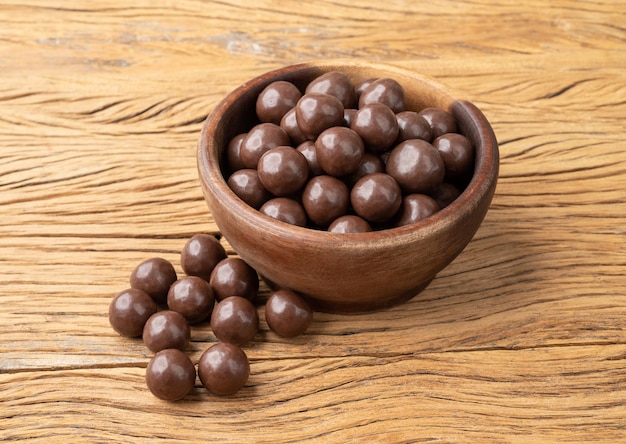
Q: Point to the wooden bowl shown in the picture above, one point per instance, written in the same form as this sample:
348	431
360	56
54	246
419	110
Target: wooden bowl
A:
347	272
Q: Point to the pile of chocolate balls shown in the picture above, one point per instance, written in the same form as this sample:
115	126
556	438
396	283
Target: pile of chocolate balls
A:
346	158
160	307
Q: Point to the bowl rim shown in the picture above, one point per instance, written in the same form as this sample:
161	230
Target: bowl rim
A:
486	166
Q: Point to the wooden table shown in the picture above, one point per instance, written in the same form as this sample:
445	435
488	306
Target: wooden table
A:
521	339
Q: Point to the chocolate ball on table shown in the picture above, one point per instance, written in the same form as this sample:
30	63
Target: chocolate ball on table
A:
234	277
275	100
416	165
376	197
154	276
235	320
224	369
286	210
170	375
201	254
129	310
287	313
166	329
192	297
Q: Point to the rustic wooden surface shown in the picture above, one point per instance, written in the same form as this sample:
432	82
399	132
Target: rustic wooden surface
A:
521	339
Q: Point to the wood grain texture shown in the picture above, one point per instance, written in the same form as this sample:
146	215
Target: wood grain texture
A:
521	339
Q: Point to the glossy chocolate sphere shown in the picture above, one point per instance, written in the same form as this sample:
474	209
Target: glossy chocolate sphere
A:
224	369
154	276
129	310
170	375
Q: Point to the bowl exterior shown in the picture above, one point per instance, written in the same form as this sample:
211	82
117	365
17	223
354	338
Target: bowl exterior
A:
355	272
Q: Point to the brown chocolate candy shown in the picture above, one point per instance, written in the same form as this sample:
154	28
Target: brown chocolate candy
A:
234	277
316	112
412	126
324	199
287	314
286	210
289	124
416	165
261	138
386	91
283	170
224	369
415	207
170	375
349	224
166	329
445	194
339	151
129	310
192	297
335	84
457	153
154	276
235	320
201	254
308	151
440	121
376	197
377	125
246	184
275	100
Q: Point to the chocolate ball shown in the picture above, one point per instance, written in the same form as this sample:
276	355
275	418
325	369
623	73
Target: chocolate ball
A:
283	170
349	224
275	100
445	194
289	124
440	121
288	314
416	165
376	197
415	207
129	310
166	329
261	138
192	297
170	375
286	210
385	91
370	163
457	153
317	112
308	151
363	85
348	116
324	199
246	184
335	84
223	369
412	126
233	153
377	125
235	320
234	277
154	276
339	151
201	254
